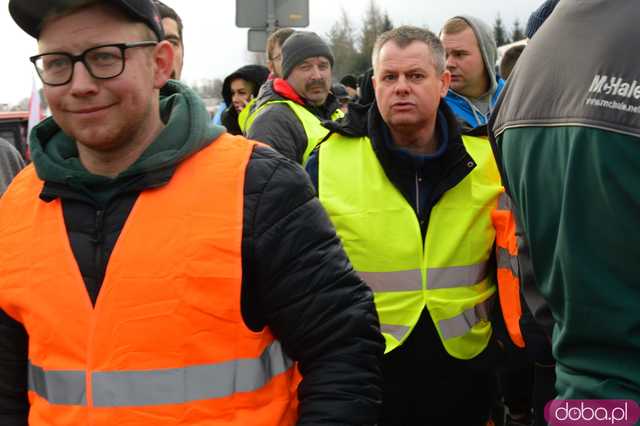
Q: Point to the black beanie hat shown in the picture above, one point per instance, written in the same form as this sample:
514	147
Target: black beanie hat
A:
349	81
256	74
29	14
540	15
302	45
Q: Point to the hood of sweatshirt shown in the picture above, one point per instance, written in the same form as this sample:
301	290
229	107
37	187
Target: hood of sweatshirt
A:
187	130
488	49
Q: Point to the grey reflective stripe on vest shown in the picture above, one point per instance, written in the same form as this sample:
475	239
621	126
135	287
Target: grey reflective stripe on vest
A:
462	324
393	281
166	386
180	385
397	331
504	202
58	387
437	278
456	276
506	261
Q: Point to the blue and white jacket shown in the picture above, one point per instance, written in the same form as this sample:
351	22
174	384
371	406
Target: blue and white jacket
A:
468	115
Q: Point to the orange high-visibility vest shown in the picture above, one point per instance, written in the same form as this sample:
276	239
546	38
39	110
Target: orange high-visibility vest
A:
508	277
166	344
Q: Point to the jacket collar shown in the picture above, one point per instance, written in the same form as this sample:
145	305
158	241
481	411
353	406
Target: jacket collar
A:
451	152
282	89
187	130
446	128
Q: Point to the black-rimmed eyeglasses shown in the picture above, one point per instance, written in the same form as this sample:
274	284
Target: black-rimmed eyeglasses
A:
102	62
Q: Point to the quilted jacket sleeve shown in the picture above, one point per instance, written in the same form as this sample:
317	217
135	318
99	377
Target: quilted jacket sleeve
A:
299	282
278	126
14	405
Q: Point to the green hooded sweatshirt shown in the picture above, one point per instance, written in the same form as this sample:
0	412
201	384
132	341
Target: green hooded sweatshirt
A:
187	130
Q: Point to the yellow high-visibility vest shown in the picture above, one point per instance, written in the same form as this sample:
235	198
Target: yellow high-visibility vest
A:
312	125
243	117
449	272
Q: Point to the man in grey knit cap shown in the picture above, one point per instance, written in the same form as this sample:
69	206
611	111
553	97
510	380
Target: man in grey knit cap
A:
10	164
289	111
471	59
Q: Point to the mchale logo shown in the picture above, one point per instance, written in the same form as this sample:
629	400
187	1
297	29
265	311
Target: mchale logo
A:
592	412
615	86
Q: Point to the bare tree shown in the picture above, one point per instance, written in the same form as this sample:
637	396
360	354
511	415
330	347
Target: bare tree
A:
372	27
386	22
342	42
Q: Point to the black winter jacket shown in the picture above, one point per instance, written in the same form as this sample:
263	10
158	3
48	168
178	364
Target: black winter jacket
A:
302	287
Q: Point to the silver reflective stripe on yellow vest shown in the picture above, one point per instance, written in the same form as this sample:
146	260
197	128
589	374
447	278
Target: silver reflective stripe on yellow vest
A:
397	331
393	281
455	276
312	125
163	386
460	325
448	272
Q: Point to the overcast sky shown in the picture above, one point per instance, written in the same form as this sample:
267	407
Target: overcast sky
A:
215	47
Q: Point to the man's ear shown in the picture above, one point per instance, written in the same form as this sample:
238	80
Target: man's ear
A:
445	80
163	63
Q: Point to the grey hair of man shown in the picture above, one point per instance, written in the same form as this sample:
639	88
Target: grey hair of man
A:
404	36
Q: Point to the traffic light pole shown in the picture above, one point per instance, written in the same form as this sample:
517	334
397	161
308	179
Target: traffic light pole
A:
271	16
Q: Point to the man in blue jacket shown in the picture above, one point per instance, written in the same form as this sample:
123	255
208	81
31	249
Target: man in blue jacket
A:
471	58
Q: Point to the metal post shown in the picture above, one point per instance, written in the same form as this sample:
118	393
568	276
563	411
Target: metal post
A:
271	16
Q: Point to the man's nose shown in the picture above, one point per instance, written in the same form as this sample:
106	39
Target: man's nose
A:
402	84
315	73
82	82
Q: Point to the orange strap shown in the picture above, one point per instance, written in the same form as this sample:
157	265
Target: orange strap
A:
508	278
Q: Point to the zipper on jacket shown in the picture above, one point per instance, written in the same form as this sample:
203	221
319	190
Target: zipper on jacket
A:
98	240
420	219
476	111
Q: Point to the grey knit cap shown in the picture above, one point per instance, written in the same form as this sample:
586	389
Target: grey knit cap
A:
300	46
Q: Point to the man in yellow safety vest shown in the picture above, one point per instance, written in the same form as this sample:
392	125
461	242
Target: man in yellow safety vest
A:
412	201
